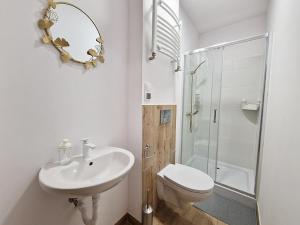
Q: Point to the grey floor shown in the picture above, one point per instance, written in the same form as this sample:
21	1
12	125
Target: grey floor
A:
228	211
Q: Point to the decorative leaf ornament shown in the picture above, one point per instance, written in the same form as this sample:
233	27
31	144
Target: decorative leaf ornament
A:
88	65
65	56
92	52
94	63
96	56
45	23
46	39
100	40
102	50
51	4
101	58
61	43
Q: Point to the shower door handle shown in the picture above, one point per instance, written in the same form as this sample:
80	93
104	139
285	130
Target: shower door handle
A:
215	116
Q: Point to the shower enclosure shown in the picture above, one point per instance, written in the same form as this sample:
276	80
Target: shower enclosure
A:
222	111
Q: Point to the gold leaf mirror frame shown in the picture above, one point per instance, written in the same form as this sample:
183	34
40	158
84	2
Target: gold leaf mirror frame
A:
96	55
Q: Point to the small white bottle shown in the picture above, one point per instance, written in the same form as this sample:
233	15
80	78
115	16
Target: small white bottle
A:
64	152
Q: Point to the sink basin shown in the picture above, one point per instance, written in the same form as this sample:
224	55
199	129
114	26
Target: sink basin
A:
104	169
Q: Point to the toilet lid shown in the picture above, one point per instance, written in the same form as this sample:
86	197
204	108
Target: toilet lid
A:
189	178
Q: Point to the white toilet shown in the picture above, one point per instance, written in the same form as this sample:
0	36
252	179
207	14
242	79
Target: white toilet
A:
179	185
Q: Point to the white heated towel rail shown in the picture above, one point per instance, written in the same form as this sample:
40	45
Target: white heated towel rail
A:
166	36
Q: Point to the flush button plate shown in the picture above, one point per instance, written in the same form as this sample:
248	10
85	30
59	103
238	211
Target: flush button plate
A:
165	116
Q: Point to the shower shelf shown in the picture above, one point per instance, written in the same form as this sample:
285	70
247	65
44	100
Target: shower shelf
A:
250	106
166	35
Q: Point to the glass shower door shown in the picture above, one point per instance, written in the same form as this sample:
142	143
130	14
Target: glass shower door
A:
200	108
241	96
222	111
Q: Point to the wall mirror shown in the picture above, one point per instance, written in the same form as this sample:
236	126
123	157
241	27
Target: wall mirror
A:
73	33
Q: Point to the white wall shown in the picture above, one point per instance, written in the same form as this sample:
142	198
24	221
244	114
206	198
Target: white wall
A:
190	34
243	73
43	101
158	73
242	29
135	104
278	193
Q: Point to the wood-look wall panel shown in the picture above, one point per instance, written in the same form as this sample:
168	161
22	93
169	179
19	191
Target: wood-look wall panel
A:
161	138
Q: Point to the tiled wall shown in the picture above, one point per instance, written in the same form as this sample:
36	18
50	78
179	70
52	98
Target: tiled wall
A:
242	78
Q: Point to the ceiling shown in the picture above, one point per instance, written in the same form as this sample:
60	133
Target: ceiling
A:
212	14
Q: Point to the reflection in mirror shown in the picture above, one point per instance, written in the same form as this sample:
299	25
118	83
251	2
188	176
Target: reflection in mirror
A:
73	34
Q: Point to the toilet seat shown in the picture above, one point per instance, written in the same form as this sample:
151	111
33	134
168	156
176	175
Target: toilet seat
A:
188	178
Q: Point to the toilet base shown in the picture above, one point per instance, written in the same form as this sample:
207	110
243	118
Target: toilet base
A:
168	195
177	194
173	198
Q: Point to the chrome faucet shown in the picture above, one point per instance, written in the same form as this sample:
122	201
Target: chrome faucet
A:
87	148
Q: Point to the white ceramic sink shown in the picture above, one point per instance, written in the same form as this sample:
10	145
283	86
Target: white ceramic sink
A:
104	169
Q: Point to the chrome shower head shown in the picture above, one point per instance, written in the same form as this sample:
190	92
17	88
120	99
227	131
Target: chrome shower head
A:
195	71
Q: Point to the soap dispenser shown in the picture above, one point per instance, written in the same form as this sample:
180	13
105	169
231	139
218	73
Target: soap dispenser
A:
64	151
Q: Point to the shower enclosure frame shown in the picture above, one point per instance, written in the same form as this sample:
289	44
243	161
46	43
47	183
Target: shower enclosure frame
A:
233	192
